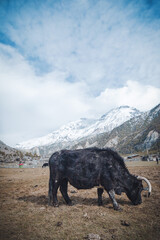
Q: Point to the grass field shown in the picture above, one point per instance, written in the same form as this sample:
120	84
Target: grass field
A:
25	214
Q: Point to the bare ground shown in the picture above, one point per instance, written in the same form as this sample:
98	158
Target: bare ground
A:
25	213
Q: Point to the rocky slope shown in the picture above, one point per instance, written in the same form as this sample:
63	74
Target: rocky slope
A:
73	132
12	155
124	129
137	134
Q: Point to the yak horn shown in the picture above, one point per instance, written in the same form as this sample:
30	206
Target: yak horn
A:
147	181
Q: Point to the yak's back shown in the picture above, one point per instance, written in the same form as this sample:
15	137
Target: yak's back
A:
106	155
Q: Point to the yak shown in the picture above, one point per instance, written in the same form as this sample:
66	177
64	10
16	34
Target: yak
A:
93	167
45	165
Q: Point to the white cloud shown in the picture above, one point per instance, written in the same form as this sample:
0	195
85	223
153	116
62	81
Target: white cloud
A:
134	94
32	105
103	44
74	59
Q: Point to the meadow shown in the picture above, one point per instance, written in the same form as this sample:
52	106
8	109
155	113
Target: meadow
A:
25	213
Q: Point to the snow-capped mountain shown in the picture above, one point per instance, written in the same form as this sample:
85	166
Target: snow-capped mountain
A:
114	118
135	135
74	131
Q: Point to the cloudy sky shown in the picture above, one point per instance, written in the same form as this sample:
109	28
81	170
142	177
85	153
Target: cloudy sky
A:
61	60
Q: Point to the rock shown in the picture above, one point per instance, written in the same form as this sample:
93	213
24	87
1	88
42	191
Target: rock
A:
42	208
92	236
86	216
59	224
124	223
113	237
73	191
113	230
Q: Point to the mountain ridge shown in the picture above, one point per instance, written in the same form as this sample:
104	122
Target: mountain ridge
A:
123	129
83	127
137	134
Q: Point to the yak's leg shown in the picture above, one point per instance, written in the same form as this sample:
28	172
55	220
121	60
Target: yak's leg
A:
63	189
50	193
112	197
100	192
55	187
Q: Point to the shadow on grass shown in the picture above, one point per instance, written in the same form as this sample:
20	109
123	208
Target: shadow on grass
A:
43	200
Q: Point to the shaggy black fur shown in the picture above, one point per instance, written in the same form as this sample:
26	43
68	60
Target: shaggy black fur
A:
87	168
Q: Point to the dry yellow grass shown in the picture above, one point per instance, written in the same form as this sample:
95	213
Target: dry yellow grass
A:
25	213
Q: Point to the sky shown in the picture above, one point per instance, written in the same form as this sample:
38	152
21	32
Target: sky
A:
61	60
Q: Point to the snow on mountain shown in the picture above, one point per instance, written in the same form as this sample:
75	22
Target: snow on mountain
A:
69	132
114	118
137	134
84	128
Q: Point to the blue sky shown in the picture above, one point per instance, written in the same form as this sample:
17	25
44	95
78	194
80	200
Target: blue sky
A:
62	60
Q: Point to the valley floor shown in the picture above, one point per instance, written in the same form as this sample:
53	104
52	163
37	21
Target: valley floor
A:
25	213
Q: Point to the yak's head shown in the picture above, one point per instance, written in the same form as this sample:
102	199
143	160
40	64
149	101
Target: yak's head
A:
134	194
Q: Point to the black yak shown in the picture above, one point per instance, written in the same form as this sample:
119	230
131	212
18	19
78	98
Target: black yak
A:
45	165
93	167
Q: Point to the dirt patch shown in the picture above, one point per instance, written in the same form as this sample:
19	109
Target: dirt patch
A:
25	213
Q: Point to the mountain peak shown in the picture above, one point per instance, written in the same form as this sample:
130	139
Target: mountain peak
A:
125	110
76	130
123	106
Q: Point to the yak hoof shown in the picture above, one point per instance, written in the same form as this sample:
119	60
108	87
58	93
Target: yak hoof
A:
100	204
50	203
55	205
70	203
118	208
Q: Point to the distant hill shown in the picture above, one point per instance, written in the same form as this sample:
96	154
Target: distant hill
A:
11	155
124	129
